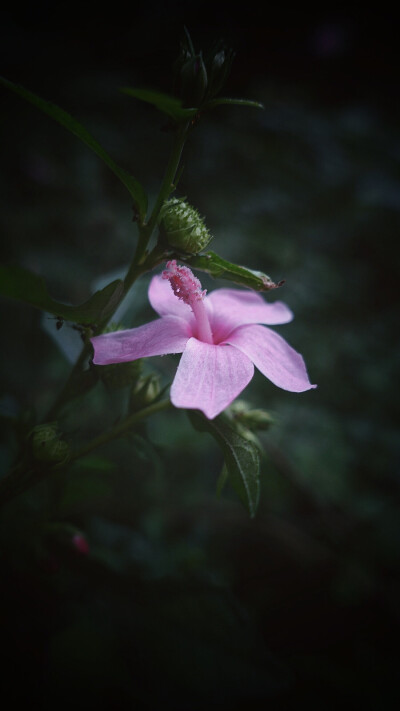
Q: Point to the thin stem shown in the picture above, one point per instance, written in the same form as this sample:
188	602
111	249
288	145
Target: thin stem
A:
166	188
121	428
64	394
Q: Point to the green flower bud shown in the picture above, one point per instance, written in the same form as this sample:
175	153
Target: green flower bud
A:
251	419
144	392
184	228
119	375
197	80
193	81
218	72
47	446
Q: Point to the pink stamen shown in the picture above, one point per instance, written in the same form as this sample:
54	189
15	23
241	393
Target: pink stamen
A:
188	288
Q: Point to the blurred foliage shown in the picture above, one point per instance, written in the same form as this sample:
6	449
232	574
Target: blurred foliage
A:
182	600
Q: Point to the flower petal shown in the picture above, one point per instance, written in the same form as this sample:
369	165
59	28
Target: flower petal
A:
270	353
164	301
233	308
209	377
165	335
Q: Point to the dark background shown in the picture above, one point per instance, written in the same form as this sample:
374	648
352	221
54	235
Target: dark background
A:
182	600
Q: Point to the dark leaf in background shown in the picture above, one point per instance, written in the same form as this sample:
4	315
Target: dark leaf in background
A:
20	284
72	125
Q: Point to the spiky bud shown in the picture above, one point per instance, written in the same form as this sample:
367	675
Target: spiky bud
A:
184	228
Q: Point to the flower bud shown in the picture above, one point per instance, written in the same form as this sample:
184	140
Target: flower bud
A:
144	392
119	375
198	80
47	446
184	228
251	419
219	68
80	544
193	81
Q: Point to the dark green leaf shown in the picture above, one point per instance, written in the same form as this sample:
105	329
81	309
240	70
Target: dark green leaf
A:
20	284
233	102
242	458
222	479
163	102
219	268
66	120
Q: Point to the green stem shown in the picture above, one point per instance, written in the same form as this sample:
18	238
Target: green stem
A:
140	263
120	429
167	186
63	397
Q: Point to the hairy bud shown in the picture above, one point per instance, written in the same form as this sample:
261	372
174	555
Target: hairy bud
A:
47	445
184	228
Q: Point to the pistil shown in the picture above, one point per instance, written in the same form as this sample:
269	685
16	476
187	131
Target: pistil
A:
188	288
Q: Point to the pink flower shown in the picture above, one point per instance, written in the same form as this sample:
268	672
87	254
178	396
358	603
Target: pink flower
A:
219	336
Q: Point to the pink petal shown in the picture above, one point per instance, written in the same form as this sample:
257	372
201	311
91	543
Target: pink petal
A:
164	301
165	335
233	308
209	377
270	353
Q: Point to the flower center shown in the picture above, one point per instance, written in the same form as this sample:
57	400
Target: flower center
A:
188	288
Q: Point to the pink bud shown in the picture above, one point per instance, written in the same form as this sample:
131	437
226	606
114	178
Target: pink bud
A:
80	544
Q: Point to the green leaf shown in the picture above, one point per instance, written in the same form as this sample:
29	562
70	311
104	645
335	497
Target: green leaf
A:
233	102
242	458
20	284
222	479
72	125
163	102
221	269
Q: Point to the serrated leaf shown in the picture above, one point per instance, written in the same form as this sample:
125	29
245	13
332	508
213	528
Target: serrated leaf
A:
233	102
18	283
71	124
169	105
242	458
220	268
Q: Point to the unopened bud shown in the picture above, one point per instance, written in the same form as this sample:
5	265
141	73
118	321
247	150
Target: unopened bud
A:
119	375
144	392
184	228
80	544
47	445
251	419
193	81
219	68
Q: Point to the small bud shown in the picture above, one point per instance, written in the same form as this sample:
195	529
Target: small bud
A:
80	544
184	228
144	392
119	375
193	81
198	80
47	445
60	538
253	420
219	68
